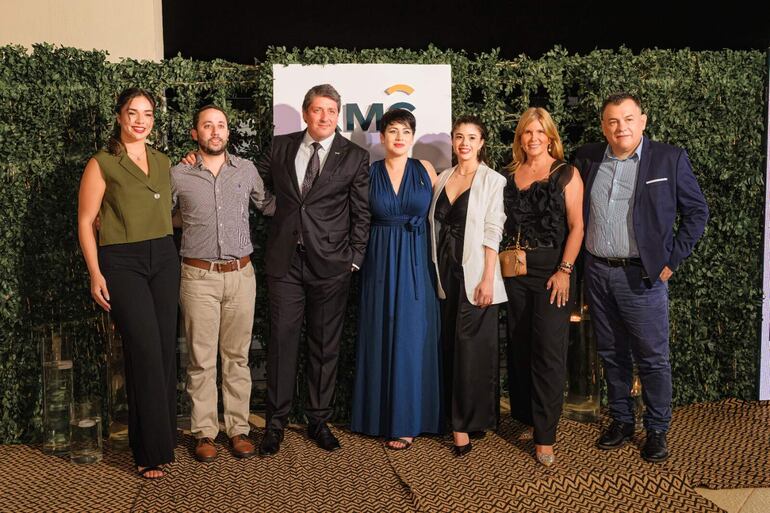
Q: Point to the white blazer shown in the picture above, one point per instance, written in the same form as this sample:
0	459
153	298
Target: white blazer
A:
483	227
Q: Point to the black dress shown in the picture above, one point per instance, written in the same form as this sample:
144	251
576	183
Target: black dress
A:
537	330
468	333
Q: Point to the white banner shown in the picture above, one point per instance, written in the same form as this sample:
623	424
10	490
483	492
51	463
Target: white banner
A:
368	91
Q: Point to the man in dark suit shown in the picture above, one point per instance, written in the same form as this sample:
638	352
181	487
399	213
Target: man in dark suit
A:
316	239
634	189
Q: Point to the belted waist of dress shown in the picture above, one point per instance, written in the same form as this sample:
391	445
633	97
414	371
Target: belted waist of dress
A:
410	223
416	226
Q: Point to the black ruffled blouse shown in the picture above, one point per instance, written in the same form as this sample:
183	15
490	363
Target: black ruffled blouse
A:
539	211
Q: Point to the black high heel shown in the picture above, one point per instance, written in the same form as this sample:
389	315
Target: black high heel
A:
462	450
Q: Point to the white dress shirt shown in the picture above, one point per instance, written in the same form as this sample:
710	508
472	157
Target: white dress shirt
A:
306	151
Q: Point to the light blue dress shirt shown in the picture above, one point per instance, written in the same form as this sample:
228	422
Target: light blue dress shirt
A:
610	230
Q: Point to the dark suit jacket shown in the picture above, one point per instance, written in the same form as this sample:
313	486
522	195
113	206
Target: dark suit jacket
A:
665	184
333	217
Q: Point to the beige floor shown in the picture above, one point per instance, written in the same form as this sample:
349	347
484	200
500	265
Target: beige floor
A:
738	500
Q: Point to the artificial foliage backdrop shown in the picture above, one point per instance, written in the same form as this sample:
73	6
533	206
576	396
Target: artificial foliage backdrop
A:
56	111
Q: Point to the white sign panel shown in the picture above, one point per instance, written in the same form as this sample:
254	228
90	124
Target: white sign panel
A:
368	91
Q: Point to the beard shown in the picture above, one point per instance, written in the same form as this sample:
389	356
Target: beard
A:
209	149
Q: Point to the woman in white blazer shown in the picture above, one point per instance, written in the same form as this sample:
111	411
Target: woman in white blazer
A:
467	221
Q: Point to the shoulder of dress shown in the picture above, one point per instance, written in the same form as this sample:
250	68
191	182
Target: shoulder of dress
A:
156	151
104	154
159	156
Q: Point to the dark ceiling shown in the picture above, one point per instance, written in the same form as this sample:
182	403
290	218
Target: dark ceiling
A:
241	31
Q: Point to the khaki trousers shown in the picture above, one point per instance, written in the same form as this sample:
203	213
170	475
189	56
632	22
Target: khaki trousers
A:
218	311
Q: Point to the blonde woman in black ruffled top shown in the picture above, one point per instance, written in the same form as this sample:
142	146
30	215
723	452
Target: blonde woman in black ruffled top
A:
543	206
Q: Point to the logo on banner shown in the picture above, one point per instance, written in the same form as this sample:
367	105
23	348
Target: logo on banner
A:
352	111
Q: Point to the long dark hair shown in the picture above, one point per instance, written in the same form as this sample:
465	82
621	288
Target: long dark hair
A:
114	145
473	120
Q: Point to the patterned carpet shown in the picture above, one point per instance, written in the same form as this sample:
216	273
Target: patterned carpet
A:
719	445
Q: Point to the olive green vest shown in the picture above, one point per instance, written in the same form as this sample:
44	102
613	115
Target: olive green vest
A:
135	206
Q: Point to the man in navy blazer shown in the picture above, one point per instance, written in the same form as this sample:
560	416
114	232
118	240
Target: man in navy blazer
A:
634	189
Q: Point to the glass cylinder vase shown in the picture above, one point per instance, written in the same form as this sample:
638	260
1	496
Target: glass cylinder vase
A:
86	431
581	395
56	355
117	402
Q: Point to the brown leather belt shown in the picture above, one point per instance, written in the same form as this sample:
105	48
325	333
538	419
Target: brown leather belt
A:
219	267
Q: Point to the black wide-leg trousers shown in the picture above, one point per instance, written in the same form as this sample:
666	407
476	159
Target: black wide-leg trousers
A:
470	352
143	284
538	336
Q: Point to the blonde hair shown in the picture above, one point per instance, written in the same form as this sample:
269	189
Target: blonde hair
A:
555	148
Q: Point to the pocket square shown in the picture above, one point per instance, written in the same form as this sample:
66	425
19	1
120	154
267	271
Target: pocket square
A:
656	180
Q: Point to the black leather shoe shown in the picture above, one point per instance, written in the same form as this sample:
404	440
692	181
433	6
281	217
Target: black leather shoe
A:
323	436
271	442
616	435
655	448
462	450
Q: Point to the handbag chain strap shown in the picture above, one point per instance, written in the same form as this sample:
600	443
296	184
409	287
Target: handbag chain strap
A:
517	244
526	246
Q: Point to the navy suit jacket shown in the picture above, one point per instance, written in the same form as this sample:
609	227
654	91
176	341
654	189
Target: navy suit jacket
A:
665	185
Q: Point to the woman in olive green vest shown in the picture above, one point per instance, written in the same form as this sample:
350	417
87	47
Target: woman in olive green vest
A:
134	271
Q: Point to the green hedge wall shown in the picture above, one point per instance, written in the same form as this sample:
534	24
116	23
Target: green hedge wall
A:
55	111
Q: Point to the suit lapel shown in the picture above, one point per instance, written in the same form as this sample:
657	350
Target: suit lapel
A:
337	152
644	170
133	169
155	171
290	158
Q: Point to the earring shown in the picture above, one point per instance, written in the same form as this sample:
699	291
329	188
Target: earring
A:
550	147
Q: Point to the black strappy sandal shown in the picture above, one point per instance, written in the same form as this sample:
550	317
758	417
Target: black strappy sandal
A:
407	444
144	471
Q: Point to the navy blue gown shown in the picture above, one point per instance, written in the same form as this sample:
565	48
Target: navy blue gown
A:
398	357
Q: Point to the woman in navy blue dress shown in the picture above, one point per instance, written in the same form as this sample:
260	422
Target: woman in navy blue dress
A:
397	391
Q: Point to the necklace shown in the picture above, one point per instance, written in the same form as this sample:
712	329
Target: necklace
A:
134	155
467	174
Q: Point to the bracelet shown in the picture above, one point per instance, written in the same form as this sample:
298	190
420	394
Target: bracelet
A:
566	265
565	271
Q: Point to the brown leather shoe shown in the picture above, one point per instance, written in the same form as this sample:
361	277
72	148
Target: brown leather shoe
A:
205	451
242	446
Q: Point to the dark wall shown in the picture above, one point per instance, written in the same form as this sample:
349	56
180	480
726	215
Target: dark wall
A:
242	30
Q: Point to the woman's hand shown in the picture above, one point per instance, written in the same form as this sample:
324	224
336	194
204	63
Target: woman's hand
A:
190	159
99	291
558	284
482	295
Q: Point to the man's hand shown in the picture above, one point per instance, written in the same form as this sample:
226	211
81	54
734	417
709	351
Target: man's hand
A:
665	274
190	159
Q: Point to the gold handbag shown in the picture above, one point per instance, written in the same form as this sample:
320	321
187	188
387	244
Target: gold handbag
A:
513	261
